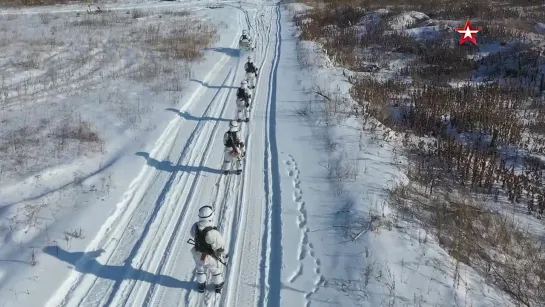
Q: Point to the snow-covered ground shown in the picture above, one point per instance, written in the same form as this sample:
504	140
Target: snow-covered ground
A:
306	224
353	243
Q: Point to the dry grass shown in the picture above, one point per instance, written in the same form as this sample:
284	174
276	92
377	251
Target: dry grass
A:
76	56
21	3
25	146
462	135
492	243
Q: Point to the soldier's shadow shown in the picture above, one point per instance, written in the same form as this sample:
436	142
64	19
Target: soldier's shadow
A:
228	51
168	166
86	263
188	116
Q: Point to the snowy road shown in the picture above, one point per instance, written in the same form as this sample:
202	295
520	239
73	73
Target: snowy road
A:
307	223
142	255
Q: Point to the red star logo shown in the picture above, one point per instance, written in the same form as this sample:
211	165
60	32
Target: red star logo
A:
468	33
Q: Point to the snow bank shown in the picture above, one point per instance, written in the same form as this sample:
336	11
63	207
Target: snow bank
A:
297	8
311	54
424	33
376	260
407	19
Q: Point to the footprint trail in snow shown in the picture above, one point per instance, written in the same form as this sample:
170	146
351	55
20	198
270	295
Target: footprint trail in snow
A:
307	256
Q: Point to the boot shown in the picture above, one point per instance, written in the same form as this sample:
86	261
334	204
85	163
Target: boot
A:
219	287
239	172
247	120
201	287
226	172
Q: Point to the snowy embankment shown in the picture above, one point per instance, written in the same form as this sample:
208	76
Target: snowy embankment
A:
352	252
81	93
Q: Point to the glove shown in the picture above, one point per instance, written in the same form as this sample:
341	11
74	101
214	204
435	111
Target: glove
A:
247	104
219	252
241	144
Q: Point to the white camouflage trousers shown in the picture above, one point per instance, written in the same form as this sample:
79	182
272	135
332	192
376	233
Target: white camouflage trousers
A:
209	264
243	112
250	77
229	156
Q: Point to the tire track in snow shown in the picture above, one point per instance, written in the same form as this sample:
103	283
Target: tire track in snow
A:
169	261
225	206
181	218
156	261
246	235
133	262
306	248
131	206
272	244
158	253
182	223
243	211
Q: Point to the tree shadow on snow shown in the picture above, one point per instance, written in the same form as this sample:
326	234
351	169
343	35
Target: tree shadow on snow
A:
228	51
86	263
212	86
167	166
188	116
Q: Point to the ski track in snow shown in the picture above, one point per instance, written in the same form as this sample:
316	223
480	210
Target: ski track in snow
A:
147	241
245	239
306	248
272	237
89	289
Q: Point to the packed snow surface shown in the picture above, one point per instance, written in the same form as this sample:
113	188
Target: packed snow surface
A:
307	223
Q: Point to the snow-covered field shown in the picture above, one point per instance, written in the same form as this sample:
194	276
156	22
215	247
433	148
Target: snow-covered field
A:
111	134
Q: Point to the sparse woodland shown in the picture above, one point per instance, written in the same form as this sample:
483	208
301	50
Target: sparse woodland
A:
471	122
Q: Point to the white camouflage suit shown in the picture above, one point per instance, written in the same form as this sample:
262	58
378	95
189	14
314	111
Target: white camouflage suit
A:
205	262
245	37
251	77
231	153
243	111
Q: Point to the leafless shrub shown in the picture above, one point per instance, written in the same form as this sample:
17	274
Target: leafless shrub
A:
136	13
81	131
76	233
176	13
343	169
184	42
30	61
487	241
33	260
107	19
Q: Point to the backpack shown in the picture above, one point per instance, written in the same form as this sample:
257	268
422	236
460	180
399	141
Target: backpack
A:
241	93
251	68
231	141
200	240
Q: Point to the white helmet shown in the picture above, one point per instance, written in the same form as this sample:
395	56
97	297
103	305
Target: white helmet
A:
244	32
233	126
243	84
250	59
206	214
